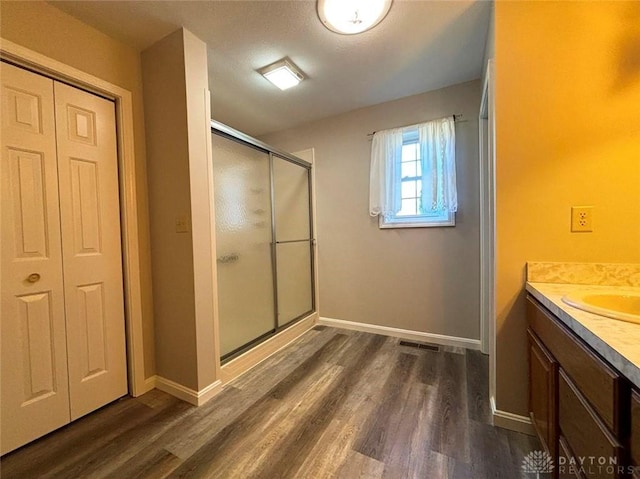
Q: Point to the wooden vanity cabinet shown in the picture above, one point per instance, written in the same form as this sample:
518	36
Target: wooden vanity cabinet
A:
584	432
567	458
579	404
634	442
543	376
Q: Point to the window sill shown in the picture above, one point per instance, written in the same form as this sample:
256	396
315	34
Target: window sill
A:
416	222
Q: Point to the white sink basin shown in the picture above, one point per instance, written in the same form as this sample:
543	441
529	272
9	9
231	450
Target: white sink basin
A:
624	307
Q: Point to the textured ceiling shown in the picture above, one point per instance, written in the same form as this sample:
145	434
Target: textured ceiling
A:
419	46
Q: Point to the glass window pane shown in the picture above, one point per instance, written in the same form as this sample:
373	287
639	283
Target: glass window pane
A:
409	152
408	189
419	168
408	207
409	169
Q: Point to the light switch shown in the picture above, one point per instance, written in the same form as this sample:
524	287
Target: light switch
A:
182	224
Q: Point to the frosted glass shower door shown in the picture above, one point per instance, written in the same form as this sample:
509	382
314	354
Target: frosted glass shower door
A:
243	243
293	240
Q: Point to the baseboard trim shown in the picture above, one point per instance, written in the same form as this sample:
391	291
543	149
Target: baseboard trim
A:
209	392
197	398
440	339
148	385
508	420
262	351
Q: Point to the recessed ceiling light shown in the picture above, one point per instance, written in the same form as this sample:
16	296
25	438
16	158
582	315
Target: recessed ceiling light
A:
283	74
352	16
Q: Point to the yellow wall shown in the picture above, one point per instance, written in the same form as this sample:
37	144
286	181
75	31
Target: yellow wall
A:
47	30
568	133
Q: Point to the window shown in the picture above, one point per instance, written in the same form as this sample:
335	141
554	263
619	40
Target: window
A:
413	176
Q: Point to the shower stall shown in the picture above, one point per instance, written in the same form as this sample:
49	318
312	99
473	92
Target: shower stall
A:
264	239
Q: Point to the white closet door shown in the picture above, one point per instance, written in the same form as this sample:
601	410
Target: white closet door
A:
92	260
34	394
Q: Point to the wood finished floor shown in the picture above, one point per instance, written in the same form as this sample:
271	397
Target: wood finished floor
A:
334	403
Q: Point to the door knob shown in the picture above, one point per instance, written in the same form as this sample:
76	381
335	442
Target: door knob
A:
33	278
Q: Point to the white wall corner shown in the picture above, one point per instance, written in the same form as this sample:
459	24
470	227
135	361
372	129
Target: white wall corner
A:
209	392
508	420
148	385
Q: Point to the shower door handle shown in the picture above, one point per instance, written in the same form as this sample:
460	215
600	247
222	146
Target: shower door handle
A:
229	258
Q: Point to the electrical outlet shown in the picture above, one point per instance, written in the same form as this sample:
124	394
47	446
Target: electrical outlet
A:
581	219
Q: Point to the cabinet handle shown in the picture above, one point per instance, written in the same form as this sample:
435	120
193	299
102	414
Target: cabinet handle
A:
33	278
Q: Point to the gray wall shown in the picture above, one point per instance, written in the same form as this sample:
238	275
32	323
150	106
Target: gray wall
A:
421	279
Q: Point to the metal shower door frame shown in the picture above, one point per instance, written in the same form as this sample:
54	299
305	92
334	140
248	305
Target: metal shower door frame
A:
227	132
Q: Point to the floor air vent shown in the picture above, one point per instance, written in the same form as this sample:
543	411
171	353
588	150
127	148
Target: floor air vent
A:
319	328
430	347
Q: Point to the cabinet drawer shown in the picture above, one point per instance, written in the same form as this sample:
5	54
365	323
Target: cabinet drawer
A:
602	386
585	433
635	429
566	468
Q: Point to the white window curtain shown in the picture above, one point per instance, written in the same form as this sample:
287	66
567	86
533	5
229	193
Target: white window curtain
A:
437	151
386	155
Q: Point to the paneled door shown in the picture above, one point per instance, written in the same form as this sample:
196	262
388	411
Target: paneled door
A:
34	393
91	249
62	322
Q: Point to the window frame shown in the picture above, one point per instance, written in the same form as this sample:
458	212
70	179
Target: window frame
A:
426	220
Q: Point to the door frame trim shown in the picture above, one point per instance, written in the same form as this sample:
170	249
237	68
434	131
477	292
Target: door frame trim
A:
56	70
487	150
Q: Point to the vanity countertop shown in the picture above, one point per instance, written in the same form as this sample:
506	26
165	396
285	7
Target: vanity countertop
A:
616	341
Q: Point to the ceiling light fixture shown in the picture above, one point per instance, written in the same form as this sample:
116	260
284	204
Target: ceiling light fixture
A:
283	74
352	16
